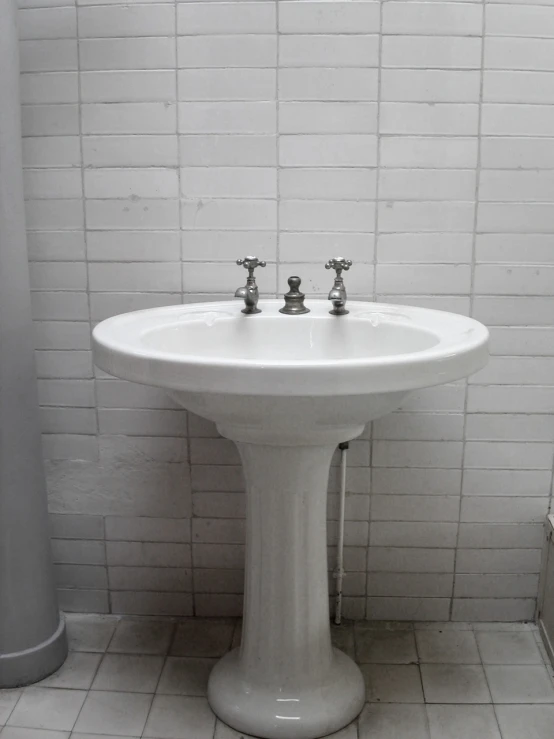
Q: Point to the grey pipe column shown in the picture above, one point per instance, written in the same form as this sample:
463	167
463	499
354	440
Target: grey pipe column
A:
32	634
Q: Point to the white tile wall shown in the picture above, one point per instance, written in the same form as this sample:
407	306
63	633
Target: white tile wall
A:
162	140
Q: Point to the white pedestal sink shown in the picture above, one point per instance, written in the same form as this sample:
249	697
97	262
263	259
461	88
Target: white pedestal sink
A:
288	389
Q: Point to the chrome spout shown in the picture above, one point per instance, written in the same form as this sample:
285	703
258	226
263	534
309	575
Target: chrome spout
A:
337	294
249	293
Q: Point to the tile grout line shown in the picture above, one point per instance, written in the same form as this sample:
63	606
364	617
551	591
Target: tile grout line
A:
88	292
471	296
492	703
155	692
374	296
182	236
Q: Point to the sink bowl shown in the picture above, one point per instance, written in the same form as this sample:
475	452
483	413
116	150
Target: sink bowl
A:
253	374
287	389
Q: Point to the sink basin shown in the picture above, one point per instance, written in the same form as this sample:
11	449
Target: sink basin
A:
287	389
325	370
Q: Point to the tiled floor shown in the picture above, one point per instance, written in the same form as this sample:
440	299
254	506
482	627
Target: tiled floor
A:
130	678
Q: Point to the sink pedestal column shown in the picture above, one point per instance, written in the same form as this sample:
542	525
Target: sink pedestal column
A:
286	681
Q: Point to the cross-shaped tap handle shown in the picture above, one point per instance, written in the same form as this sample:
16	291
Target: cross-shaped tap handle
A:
339	264
250	263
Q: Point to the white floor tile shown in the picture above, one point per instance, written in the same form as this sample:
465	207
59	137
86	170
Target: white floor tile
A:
392	683
508	648
114	713
520	684
454	684
77	672
48	708
185	676
462	722
142	636
393	722
133	673
202	638
13	732
387	647
175	717
447	647
526	722
90	633
8	699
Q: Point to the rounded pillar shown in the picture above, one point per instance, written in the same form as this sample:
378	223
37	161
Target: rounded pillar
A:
32	633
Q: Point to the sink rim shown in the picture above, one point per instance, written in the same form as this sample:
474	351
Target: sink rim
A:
358	312
461	350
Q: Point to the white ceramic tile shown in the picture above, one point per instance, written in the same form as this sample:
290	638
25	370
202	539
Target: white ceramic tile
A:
8	699
449	647
534	722
142	637
518	53
90	633
127	53
434	120
173	717
433	86
437	18
520	20
454	683
327	118
389	647
427	52
51	87
114	713
520	684
328	51
458	722
259	50
48	55
328	84
512	648
200	638
128	673
129	118
226	84
185	676
128	86
392	683
224	18
393	721
321	17
232	150
48	708
47	23
76	673
328	150
140	20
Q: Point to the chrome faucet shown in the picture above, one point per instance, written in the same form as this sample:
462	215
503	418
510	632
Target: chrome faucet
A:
338	292
249	293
